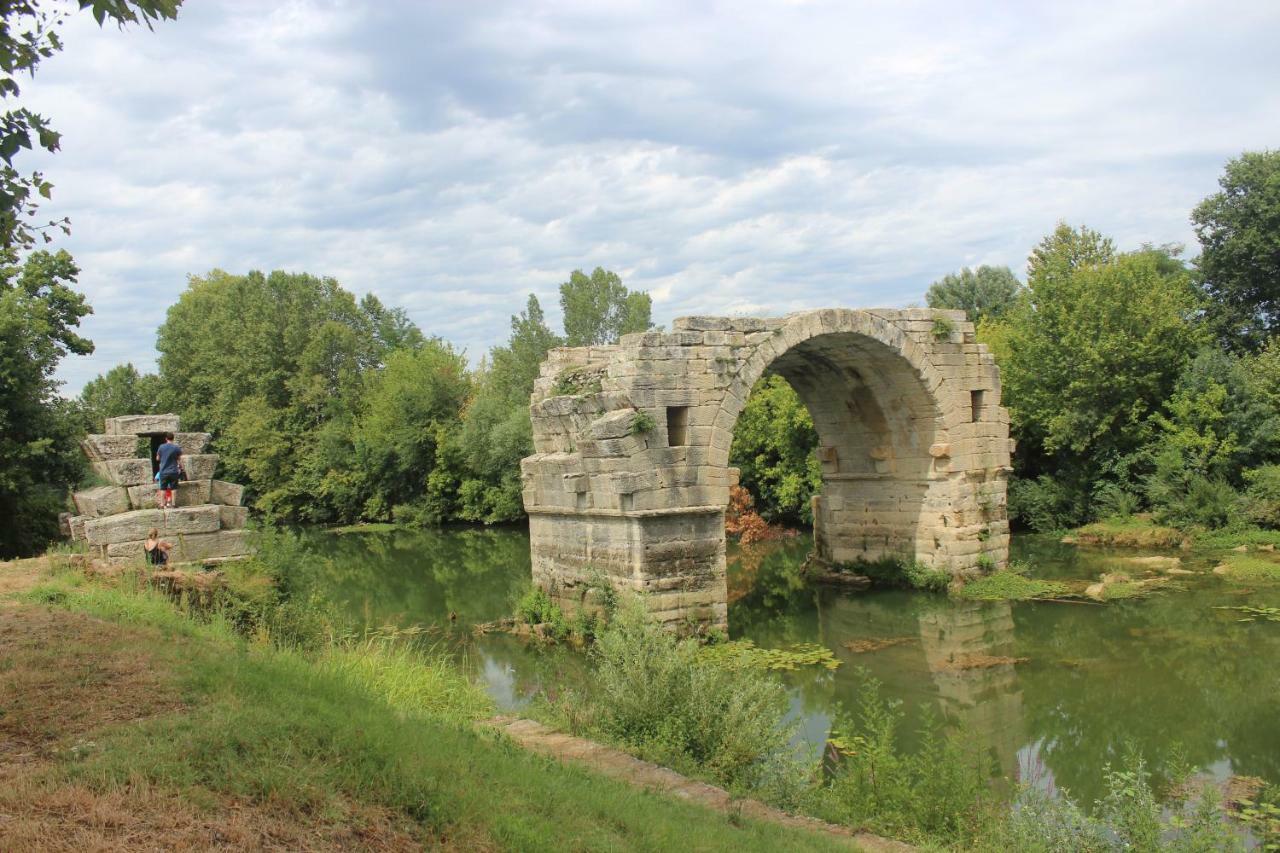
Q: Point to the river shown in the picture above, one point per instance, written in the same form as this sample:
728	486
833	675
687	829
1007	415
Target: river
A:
1054	690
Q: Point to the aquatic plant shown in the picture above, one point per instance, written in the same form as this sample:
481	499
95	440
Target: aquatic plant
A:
740	654
1247	568
1253	614
1011	585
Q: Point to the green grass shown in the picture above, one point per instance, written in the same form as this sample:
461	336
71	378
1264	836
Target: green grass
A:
1235	538
377	723
1135	531
1246	568
1010	585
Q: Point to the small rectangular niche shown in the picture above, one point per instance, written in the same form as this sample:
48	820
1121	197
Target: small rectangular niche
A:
677	426
976	404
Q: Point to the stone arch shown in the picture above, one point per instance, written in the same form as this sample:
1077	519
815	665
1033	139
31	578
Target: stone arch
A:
631	474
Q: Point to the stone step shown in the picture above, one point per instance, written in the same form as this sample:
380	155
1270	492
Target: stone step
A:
187	547
189	493
134	526
124	472
230	494
141	424
102	501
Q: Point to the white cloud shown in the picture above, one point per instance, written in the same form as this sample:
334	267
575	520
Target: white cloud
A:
729	158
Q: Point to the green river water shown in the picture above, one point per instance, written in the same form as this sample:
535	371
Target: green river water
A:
1167	673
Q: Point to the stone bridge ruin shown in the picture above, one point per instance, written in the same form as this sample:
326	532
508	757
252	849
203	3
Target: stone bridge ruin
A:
630	475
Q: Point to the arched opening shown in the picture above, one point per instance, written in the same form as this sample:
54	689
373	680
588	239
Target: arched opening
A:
875	423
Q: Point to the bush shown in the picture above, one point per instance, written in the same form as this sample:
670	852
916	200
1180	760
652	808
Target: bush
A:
654	694
1184	497
941	789
1262	497
1045	504
1111	501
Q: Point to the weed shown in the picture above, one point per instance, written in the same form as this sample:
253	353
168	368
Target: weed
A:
1010	585
642	423
1246	568
943	328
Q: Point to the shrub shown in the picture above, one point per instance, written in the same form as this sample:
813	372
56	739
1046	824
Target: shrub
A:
643	423
1185	497
1112	501
1045	504
1262	497
654	694
536	608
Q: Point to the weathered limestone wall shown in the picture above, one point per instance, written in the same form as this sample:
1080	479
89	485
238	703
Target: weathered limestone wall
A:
207	523
630	475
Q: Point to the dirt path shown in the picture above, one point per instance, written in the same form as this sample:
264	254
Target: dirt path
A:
616	764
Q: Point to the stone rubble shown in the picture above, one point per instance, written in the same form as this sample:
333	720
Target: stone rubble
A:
207	523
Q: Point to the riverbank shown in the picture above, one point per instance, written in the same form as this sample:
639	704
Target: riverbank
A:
127	724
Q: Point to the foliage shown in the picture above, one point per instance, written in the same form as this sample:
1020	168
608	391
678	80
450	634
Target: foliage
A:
1184	497
598	308
985	292
536	608
943	328
28	35
642	423
1239	264
119	391
1087	355
658	695
899	572
774	444
744	654
1012	584
939	791
1247	568
1137	531
1262	497
39	454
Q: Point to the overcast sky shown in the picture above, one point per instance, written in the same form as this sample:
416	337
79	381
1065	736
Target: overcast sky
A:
727	157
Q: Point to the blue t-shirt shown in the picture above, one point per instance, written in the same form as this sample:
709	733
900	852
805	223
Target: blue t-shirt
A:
169	454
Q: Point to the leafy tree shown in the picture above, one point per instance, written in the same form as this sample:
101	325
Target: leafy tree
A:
410	405
1239	265
276	366
119	391
598	309
1091	352
984	292
39	454
28	35
773	448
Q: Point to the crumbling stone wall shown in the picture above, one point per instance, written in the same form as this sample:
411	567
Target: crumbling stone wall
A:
630	474
206	525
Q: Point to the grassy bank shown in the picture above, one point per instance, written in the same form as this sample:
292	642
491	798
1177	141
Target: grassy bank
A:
351	744
1139	531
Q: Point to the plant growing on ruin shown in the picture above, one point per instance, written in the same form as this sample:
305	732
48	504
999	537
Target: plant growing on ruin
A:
943	328
642	423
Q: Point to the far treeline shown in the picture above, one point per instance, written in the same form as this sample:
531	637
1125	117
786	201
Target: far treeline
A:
1135	381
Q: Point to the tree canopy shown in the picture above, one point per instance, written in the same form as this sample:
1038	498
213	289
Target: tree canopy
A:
40	458
598	308
984	292
1239	265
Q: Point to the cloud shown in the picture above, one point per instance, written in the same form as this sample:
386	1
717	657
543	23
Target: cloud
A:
728	158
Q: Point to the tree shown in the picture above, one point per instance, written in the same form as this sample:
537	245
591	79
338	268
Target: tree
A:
119	391
277	367
39	455
598	309
774	444
1086	358
984	292
28	35
1239	264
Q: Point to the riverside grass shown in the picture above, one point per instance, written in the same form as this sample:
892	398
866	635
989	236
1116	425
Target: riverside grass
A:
374	723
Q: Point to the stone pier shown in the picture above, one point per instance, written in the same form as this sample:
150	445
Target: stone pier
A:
630	476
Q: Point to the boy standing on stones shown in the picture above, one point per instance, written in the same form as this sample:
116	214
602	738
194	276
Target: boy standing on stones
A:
169	455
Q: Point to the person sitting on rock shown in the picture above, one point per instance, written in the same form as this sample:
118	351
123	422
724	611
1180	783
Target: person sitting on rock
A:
169	455
156	549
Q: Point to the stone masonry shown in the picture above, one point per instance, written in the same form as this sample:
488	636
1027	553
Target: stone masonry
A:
207	525
630	475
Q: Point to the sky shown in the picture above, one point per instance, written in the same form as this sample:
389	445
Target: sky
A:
729	158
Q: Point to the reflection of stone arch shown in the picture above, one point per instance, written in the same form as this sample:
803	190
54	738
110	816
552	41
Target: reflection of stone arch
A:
630	474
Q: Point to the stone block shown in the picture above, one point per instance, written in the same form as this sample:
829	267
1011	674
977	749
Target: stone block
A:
199	466
104	500
233	517
134	525
614	424
192	442
64	524
102	447
141	424
125	472
76	523
228	494
190	493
